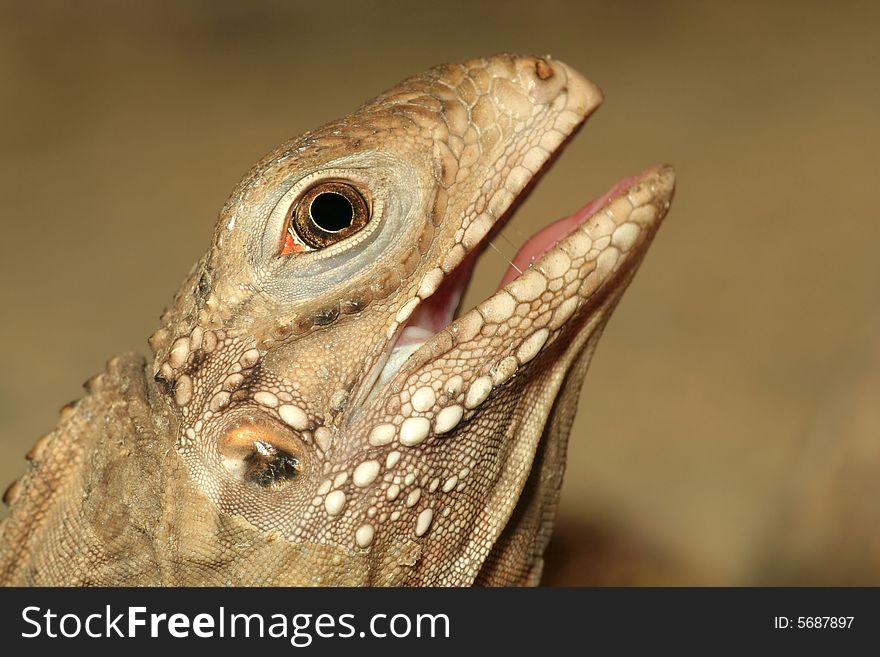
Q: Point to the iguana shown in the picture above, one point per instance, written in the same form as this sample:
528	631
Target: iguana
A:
314	413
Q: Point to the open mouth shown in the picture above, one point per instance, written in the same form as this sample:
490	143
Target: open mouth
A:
601	218
555	281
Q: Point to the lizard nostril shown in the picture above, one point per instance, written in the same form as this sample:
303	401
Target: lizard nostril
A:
543	69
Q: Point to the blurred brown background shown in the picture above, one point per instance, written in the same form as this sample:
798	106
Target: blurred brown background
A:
729	430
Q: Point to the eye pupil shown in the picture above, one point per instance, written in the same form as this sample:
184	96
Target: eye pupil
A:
331	212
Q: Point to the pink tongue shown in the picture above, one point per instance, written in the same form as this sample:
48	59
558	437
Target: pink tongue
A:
548	237
438	310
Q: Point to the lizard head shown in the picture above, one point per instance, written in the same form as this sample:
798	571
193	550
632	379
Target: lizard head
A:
321	385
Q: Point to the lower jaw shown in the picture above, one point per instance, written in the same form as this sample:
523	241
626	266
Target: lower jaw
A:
439	310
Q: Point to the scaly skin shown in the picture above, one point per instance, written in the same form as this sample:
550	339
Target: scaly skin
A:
260	445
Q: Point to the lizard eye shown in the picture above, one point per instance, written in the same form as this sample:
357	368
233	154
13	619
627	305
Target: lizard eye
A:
325	214
249	453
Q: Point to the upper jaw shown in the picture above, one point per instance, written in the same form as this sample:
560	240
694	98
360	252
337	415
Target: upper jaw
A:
483	195
486	130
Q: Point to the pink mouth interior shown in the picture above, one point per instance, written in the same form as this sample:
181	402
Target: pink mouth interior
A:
438	311
548	237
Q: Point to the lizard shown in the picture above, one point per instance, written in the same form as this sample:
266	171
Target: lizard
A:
316	409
